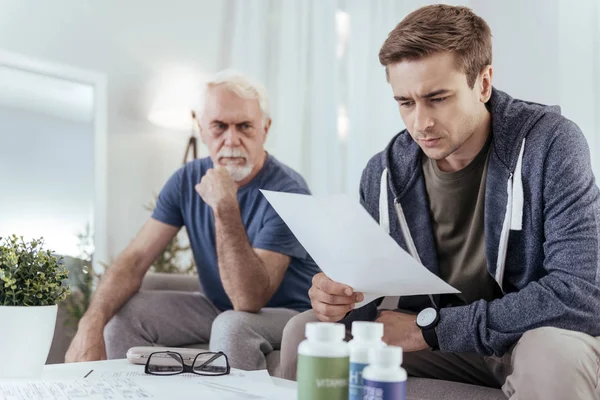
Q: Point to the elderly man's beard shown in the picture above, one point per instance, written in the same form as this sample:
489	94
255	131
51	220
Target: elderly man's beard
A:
238	172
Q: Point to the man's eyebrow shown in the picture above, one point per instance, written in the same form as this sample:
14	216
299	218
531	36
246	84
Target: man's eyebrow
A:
435	93
425	96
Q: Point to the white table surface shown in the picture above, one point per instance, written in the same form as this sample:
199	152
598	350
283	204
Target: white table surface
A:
79	370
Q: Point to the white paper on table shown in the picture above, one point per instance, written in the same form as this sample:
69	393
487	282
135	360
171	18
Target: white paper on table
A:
241	385
254	391
351	248
80	389
236	378
238	384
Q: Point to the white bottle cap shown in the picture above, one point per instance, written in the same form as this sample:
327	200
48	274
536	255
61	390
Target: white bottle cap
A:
325	331
367	330
390	356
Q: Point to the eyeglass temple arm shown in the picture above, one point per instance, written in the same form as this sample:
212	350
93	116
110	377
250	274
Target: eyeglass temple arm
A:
175	355
210	359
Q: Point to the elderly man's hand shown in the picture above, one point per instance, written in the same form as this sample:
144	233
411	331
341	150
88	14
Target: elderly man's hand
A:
87	345
218	189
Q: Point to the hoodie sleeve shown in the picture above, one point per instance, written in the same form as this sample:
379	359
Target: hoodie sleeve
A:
568	294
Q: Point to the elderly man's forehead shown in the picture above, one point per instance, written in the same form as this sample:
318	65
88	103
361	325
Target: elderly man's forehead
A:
224	103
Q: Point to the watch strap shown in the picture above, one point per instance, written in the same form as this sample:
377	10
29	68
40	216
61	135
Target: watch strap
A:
431	338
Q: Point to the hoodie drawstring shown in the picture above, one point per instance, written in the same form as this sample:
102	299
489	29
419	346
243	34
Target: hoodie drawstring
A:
384	215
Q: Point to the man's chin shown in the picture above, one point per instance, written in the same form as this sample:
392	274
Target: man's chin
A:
234	163
435	154
237	173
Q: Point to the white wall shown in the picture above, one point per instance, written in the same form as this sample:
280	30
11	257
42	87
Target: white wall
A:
548	51
525	47
134	42
47	179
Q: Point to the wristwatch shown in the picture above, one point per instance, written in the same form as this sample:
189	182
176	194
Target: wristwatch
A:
427	320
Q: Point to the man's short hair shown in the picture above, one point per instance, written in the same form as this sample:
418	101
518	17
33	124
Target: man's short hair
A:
244	86
441	28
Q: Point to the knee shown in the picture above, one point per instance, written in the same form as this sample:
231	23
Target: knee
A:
293	335
552	360
559	348
231	324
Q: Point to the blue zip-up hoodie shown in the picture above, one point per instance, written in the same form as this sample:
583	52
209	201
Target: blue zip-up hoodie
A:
542	227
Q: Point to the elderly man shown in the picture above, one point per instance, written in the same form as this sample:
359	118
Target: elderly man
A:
254	274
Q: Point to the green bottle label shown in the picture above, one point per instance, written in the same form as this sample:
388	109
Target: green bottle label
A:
323	378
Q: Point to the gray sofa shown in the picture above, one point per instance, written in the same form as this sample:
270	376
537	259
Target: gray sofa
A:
418	389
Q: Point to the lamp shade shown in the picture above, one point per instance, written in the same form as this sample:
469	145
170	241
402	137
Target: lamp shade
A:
179	91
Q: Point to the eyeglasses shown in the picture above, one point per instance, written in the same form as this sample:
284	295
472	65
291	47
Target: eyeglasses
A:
172	363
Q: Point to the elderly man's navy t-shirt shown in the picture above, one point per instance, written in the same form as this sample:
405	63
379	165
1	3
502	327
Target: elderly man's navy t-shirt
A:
180	205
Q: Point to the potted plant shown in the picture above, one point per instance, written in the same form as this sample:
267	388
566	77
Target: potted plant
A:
31	286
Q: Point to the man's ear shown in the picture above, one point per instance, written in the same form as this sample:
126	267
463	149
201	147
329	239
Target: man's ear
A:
267	127
485	84
200	131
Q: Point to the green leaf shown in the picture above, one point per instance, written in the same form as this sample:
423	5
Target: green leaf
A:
29	274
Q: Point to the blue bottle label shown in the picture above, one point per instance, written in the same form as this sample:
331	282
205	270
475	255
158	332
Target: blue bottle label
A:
373	390
355	391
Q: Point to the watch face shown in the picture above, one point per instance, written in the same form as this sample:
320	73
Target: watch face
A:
426	317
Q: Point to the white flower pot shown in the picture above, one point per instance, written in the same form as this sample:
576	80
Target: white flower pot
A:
25	337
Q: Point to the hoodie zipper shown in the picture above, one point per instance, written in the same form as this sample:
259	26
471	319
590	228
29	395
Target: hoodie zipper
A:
503	245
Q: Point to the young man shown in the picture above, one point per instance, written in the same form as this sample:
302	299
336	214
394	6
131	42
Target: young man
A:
254	274
496	196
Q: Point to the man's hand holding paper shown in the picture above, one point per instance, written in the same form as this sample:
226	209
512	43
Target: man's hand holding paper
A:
330	300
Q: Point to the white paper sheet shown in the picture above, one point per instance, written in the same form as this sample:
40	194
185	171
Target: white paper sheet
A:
257	391
239	385
236	378
351	248
105	389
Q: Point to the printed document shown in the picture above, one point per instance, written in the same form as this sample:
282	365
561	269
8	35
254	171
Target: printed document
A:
351	248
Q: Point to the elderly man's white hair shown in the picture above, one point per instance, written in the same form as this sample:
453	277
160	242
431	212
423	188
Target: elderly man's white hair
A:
244	86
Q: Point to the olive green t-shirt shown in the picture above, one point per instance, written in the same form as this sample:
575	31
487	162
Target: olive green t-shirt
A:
456	204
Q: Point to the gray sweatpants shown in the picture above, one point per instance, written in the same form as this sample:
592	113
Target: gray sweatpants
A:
176	319
546	363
